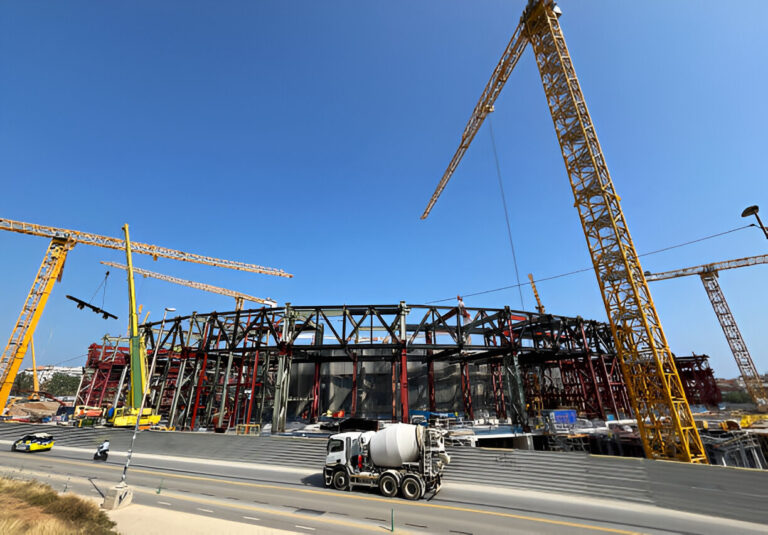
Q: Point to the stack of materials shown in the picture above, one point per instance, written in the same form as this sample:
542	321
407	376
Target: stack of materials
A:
33	411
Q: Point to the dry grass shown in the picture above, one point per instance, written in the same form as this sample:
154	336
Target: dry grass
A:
30	507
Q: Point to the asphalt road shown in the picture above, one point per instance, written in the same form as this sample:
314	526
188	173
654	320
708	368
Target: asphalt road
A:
294	499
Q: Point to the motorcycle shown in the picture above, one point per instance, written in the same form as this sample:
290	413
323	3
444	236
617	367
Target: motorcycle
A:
102	452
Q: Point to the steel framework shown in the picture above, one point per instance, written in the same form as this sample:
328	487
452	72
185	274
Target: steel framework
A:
583	372
698	380
275	364
105	373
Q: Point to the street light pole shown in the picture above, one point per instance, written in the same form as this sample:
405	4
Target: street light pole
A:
753	210
144	395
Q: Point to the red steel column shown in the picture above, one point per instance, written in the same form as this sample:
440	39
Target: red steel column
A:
199	388
253	385
430	374
235	412
431	385
354	384
466	391
315	407
404	414
394	390
498	391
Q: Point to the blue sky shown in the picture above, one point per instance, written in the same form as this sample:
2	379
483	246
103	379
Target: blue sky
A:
310	135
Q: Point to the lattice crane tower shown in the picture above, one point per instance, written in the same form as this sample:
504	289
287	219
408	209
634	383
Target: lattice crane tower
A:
708	275
656	393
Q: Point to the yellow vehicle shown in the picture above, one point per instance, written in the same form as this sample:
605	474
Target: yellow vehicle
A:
33	442
126	417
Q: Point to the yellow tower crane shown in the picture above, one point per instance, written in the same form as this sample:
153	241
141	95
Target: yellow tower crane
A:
539	306
62	241
240	297
709	274
655	391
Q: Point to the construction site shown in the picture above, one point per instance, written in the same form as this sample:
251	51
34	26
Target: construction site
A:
526	382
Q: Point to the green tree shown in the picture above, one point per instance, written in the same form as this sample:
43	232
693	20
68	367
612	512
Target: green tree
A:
61	384
737	396
23	384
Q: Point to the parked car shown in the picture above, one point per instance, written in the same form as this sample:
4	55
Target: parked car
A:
33	442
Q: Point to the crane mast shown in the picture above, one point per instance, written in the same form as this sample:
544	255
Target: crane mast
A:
539	306
664	419
138	359
709	275
21	336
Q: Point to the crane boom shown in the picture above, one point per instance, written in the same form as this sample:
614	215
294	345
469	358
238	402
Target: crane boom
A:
154	251
484	106
708	268
192	284
664	419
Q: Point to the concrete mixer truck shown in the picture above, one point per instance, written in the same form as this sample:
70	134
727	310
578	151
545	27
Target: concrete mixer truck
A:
401	457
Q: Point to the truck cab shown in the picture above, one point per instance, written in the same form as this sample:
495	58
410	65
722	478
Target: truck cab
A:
344	450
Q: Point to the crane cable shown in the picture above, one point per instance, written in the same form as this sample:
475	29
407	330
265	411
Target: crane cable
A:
104	293
506	211
569	273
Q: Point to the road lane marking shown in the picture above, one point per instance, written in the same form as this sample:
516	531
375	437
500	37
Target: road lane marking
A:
347	496
275	512
304	527
164	503
251	518
203	510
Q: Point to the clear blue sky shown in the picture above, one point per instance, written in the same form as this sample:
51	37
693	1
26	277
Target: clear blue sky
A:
309	136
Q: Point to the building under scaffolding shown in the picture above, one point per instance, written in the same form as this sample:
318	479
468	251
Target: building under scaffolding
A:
268	365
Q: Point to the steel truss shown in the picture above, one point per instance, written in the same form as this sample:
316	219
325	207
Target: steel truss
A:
582	372
273	364
105	373
698	380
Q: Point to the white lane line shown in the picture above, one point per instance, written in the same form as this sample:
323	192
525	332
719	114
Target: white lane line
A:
251	518
164	503
203	510
304	527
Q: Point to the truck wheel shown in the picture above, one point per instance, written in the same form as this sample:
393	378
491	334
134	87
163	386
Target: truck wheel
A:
340	480
411	488
388	485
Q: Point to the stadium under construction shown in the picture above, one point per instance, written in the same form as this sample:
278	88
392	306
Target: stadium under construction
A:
496	369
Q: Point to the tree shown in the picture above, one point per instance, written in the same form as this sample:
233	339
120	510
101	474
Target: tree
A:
61	384
737	396
23	384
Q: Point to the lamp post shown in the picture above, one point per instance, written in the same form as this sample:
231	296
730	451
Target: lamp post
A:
753	210
144	395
